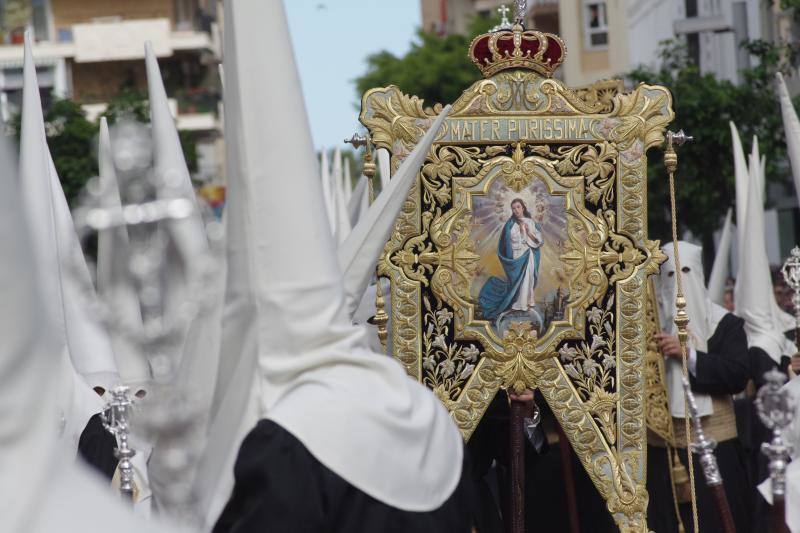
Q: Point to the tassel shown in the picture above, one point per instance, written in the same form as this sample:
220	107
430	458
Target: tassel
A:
680	478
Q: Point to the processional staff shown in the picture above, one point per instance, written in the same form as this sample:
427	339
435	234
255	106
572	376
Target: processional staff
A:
791	274
775	407
701	445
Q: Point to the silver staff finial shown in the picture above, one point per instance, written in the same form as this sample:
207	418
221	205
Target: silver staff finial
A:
116	420
776	409
791	273
520	9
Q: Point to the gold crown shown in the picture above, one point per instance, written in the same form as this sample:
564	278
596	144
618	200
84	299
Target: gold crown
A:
517	48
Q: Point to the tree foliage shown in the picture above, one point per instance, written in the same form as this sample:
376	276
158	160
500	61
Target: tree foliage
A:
436	68
72	138
704	105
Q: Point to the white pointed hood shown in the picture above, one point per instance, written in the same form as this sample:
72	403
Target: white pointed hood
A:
741	175
41	490
188	240
791	126
384	167
720	270
317	379
64	276
359	254
756	168
753	294
360	195
347	182
327	191
113	280
31	347
342	219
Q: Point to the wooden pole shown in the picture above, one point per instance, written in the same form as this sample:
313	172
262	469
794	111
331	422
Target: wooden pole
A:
569	481
723	508
517	476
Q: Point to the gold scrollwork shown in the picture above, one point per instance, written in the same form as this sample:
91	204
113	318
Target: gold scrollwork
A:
592	368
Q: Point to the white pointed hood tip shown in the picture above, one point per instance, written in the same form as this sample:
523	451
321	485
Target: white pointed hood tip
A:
170	164
754	297
55	244
311	358
356	199
741	177
720	270
384	166
791	126
359	254
343	226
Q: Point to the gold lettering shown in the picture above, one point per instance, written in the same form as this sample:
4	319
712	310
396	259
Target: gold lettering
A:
512	129
495	130
584	128
455	130
534	129
484	126
559	125
525	134
547	128
572	128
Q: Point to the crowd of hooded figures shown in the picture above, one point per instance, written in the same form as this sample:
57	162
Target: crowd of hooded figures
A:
299	421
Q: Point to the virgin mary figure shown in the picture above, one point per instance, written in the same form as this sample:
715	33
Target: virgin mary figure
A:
519	251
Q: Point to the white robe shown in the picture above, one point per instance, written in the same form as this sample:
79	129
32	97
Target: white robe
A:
521	243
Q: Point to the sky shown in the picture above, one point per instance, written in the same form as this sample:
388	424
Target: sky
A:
332	39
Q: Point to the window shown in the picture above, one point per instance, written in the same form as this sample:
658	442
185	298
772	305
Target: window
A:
595	24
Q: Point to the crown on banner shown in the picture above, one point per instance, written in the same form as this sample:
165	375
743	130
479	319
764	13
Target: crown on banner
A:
517	48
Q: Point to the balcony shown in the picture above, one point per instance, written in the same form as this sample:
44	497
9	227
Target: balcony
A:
112	40
188	118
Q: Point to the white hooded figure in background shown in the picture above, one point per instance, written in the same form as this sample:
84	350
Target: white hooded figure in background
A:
42	488
718	369
339	423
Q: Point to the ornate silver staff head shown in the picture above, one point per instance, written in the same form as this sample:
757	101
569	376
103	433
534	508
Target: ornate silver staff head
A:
116	420
791	273
775	408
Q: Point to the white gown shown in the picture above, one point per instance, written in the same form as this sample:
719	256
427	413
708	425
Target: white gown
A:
520	243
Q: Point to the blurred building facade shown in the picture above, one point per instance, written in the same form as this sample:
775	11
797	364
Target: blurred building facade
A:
607	38
595	31
92	50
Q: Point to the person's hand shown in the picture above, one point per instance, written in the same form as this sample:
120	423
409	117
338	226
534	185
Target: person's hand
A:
795	363
526	396
669	345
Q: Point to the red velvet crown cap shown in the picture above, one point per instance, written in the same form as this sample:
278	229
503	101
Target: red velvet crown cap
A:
517	48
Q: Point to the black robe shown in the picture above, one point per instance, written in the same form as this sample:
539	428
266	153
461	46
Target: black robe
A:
281	487
723	370
96	446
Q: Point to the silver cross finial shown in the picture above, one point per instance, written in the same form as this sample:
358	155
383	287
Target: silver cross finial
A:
503	10
505	24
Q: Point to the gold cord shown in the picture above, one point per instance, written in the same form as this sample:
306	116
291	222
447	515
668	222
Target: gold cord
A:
681	318
671	465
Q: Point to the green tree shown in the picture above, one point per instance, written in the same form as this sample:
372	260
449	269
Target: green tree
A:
71	139
436	68
703	107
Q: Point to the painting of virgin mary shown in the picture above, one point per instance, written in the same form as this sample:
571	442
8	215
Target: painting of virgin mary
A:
519	252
